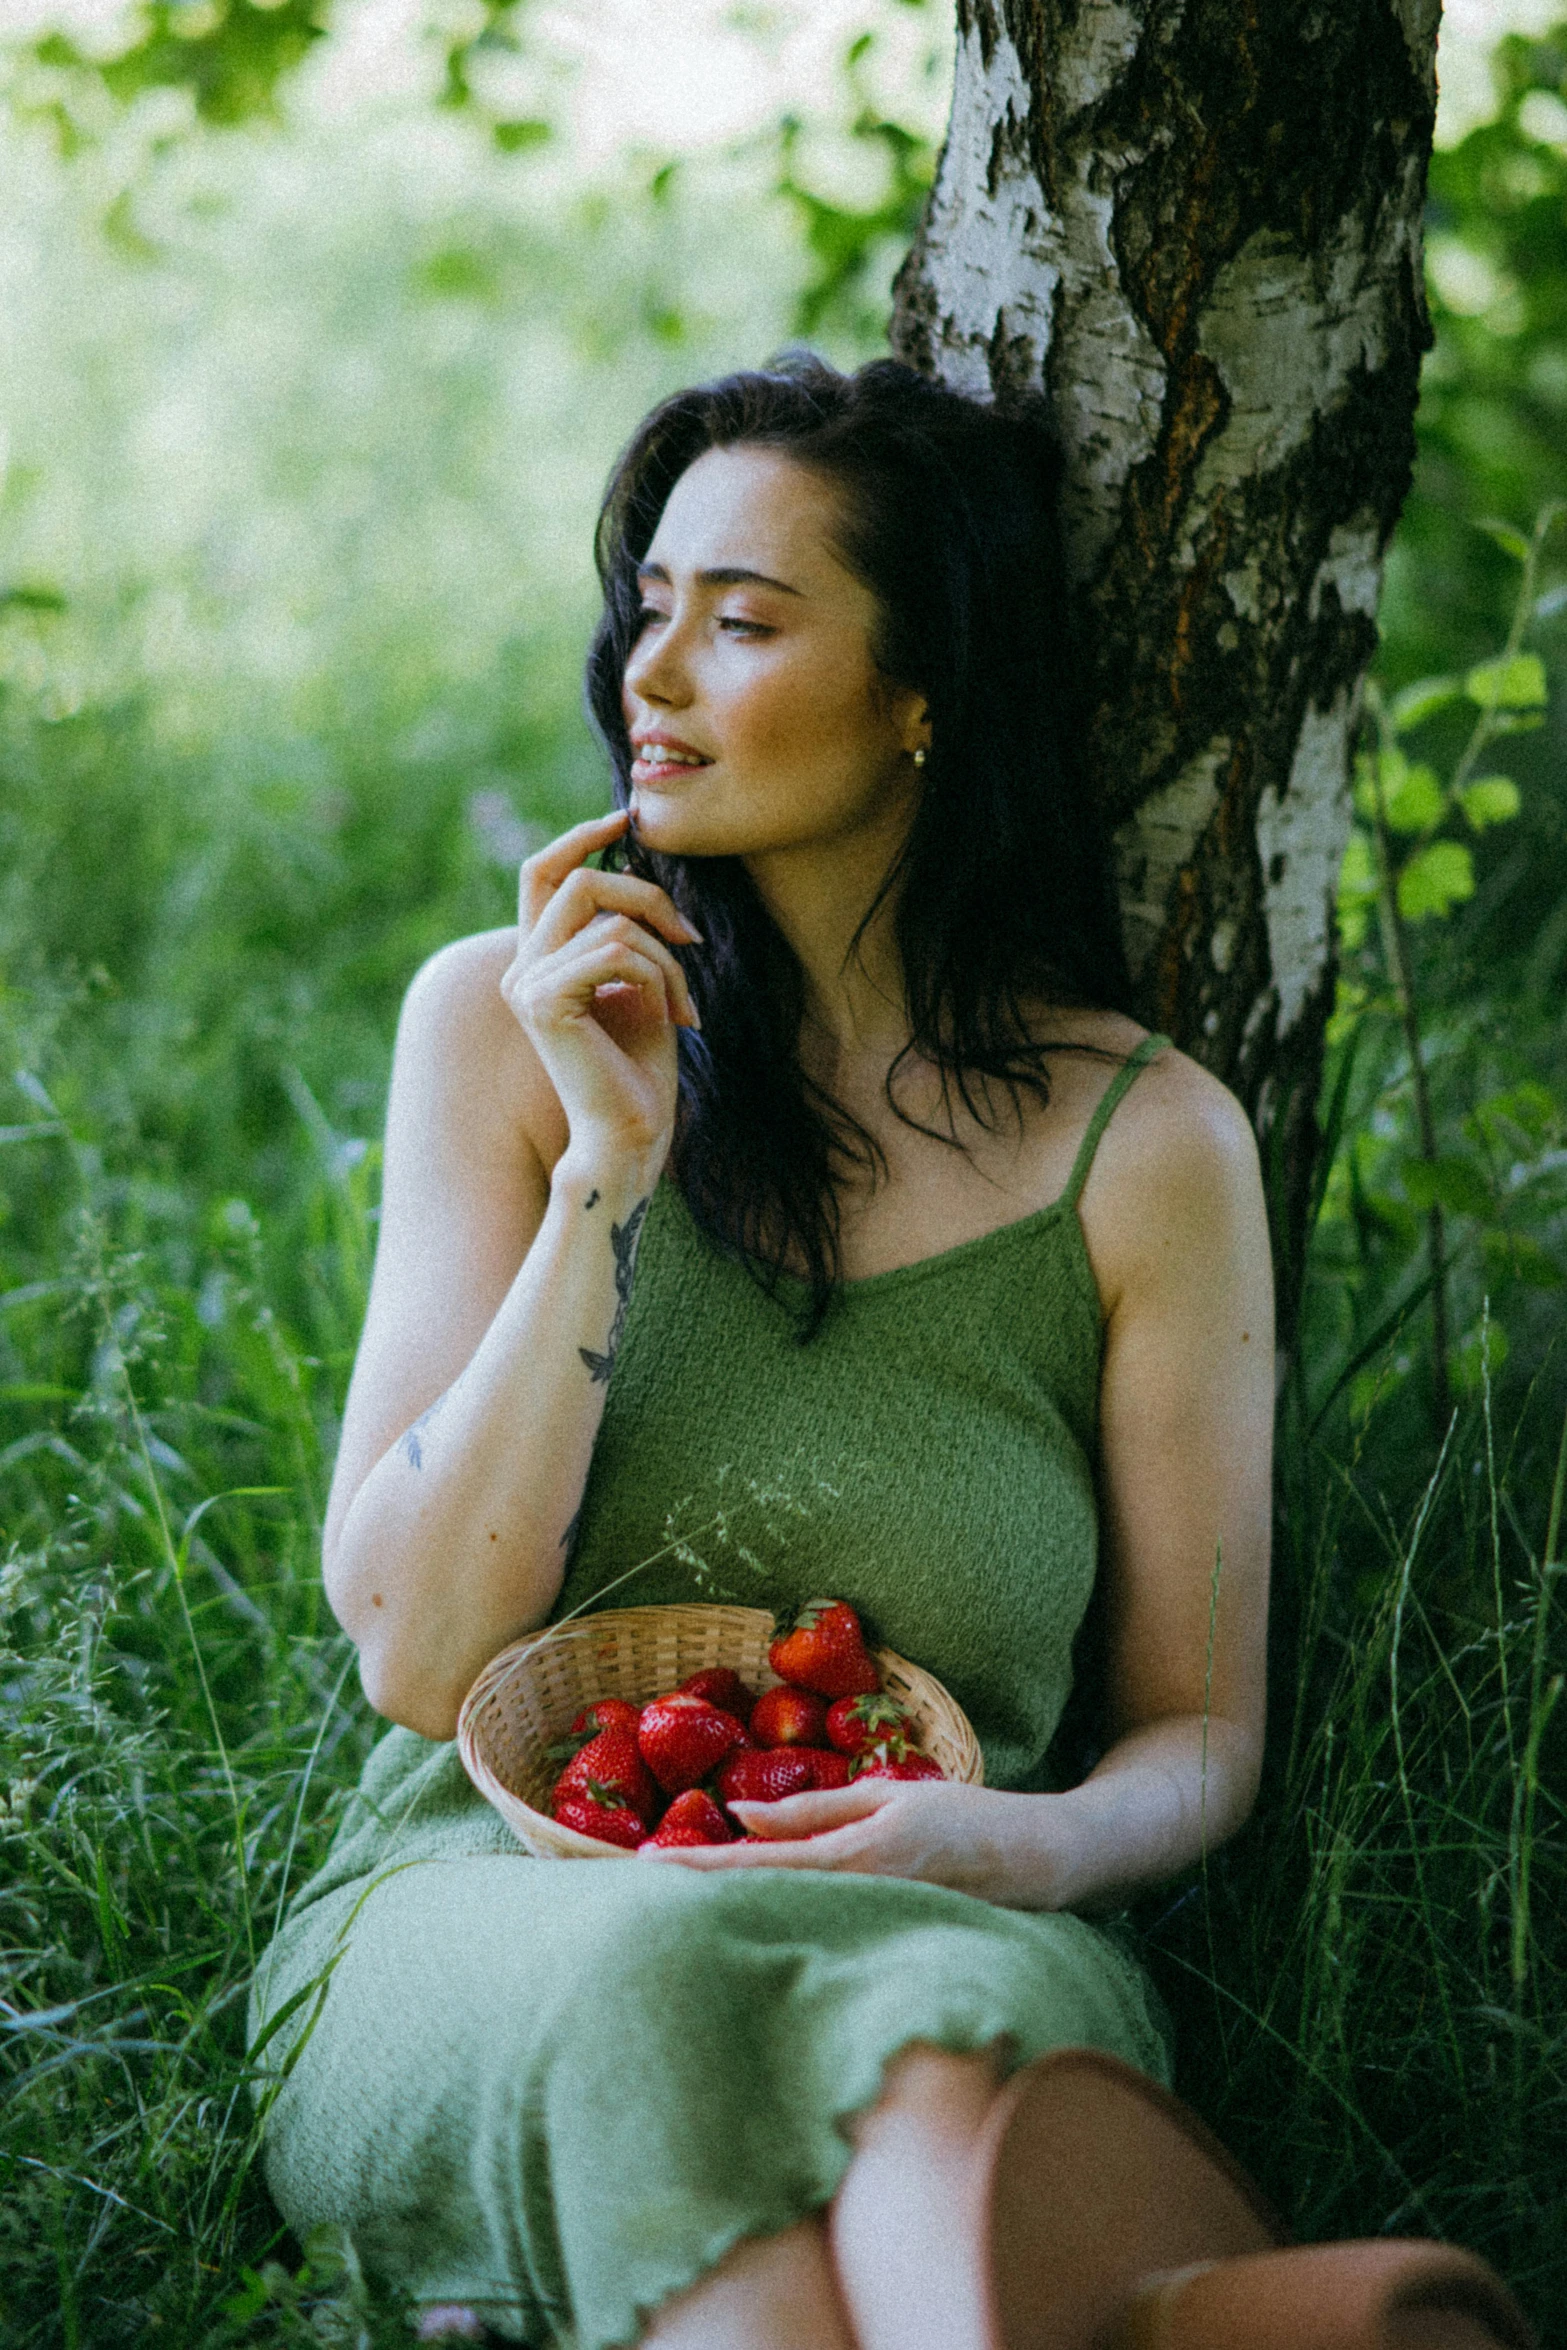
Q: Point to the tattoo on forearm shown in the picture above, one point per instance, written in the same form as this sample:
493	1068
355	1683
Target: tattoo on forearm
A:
623	1240
592	1200
408	1443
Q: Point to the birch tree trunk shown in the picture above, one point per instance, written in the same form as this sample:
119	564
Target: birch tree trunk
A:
1198	230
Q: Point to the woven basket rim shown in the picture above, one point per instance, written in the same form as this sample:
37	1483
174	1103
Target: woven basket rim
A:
544	1835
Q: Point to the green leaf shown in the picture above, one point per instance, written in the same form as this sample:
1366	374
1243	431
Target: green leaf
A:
1422	700
1529	1109
1453	1182
1490	799
31	599
1357	888
513	138
1513	1256
1415	803
1435	880
1513	683
1512	542
1365	783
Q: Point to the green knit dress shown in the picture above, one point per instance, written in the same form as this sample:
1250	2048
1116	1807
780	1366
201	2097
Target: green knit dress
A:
561	2091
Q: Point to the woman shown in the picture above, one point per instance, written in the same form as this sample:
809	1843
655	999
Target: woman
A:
813	1145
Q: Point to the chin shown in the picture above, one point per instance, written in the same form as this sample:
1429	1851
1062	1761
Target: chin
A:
672	830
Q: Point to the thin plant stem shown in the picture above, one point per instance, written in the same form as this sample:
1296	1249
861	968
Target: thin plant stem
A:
1416	1853
1395	948
1542	1703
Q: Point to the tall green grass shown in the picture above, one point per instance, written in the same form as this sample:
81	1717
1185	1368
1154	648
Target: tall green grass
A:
1367	1985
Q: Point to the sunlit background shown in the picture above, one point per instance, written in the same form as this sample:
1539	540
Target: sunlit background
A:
309	382
304	416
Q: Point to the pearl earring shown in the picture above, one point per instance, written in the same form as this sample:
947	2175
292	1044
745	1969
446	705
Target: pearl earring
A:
919	756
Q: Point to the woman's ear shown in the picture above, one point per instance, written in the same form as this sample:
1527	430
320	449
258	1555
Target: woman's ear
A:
912	718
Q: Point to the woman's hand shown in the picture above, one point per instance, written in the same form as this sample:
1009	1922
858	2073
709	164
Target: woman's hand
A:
599	993
978	1840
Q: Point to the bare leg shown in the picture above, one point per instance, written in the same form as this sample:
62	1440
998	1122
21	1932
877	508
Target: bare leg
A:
769	2293
903	2225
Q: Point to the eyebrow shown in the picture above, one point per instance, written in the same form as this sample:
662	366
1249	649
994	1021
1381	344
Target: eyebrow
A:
730	575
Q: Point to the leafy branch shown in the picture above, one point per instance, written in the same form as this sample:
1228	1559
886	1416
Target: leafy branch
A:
1404	865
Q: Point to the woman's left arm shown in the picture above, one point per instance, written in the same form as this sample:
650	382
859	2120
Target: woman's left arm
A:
1177	1233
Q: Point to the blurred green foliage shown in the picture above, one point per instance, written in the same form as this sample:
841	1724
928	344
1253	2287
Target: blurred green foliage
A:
306	425
1467	751
230	55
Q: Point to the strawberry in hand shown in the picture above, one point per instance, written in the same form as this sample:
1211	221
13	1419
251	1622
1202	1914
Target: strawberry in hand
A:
693	1818
893	1759
765	1778
826	1652
853	1723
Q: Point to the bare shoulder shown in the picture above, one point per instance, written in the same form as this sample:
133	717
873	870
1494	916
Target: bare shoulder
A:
454	998
459	1042
1175	1190
1177	1124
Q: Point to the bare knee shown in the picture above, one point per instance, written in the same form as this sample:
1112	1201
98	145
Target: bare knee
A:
936	2091
770	2293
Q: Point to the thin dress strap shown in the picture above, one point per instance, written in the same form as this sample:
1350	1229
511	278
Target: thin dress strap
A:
1125	1076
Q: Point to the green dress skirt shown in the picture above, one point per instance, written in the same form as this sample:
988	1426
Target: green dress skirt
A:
561	2091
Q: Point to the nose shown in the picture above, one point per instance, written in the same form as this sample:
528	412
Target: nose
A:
656	669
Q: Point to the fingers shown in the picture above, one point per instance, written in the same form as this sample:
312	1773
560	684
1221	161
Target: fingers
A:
558	896
615	954
797	1852
794	1816
550	865
638	948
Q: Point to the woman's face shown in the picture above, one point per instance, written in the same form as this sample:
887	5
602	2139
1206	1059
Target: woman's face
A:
758	719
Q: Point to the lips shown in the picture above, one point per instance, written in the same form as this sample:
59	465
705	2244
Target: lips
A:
663	755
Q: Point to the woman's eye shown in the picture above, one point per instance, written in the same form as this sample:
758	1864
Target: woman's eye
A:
740	627
646	613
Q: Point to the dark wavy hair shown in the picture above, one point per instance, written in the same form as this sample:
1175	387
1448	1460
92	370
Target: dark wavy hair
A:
1002	889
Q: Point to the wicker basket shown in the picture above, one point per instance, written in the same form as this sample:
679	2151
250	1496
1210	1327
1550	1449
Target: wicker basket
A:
525	1699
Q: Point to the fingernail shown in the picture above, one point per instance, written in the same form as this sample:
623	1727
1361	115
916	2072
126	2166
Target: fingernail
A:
694	935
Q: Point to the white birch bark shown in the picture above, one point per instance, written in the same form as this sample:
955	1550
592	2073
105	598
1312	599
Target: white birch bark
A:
1198	231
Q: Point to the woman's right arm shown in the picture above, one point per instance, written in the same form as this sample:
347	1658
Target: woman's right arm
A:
501	1281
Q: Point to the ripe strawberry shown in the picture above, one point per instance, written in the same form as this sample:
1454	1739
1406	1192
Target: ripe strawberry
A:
826	1652
722	1688
894	1761
682	1738
605	1713
693	1818
596	1810
613	1759
829	1768
789	1717
764	1778
853	1723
